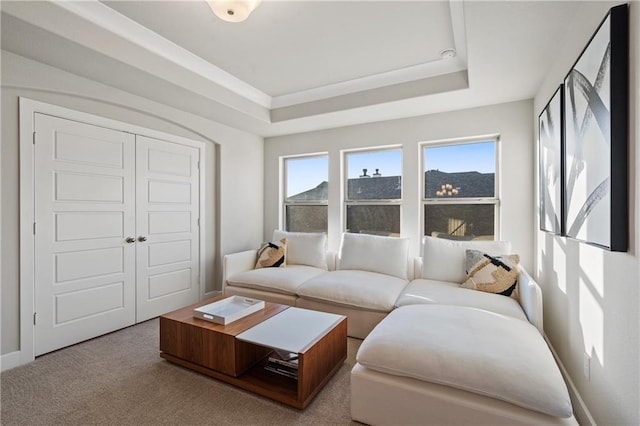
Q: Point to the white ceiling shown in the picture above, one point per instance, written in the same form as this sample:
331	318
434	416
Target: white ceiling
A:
297	66
287	47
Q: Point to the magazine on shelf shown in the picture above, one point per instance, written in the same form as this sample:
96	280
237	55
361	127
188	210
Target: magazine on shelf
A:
284	358
290	364
283	362
282	370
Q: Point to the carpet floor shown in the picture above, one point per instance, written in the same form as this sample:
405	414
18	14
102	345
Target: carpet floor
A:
119	379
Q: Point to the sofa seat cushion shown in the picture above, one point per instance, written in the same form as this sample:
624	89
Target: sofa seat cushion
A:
362	289
469	349
446	293
279	280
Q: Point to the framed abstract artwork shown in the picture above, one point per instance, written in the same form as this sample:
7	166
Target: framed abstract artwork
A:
596	137
550	149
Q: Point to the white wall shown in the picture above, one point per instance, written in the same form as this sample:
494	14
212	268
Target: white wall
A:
591	296
512	121
232	188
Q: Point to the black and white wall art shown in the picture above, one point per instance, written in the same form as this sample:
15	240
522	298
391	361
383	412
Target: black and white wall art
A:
596	123
550	140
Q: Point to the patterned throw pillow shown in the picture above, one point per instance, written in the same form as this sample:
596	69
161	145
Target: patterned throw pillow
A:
493	274
272	255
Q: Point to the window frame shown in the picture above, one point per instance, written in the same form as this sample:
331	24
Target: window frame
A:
495	200
372	202
284	203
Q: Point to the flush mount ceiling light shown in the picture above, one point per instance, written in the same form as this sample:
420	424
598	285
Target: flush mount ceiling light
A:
233	10
448	53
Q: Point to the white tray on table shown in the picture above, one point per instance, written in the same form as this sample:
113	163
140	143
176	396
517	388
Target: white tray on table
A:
228	310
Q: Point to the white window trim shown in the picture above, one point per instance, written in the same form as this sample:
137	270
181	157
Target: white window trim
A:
282	214
466	201
344	176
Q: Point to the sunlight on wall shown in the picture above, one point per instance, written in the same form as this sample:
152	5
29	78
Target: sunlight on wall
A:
591	295
591	321
592	265
560	263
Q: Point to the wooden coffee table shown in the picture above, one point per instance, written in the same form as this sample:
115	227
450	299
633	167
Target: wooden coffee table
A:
236	353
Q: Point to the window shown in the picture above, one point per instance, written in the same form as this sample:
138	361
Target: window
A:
305	193
460	190
373	191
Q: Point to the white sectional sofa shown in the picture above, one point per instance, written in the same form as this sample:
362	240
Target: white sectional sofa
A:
433	352
449	355
363	281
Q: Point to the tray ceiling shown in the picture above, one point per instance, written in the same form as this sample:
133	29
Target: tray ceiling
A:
299	65
288	47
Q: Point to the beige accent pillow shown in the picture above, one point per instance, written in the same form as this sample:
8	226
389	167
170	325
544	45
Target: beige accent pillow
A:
492	274
272	255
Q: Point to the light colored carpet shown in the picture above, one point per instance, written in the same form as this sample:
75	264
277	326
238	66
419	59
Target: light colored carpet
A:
119	379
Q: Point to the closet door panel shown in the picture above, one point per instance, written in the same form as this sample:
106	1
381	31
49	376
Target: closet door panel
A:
84	210
167	205
161	223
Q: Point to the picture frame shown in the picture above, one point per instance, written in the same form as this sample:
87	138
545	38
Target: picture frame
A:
551	164
596	120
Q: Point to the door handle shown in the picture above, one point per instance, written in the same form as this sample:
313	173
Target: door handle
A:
130	240
142	238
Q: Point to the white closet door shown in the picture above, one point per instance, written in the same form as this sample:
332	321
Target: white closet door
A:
84	211
167	205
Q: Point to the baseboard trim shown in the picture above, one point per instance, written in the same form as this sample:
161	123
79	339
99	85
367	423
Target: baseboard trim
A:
580	410
210	294
10	360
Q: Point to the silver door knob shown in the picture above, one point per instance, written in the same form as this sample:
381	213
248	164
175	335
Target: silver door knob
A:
142	238
130	240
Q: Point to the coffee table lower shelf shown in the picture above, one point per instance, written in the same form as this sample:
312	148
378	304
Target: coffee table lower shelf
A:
262	382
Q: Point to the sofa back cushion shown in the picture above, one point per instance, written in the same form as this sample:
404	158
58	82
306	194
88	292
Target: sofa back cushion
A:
304	248
445	260
385	255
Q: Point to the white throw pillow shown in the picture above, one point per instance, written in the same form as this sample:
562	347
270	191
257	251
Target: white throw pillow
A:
386	255
304	248
445	260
